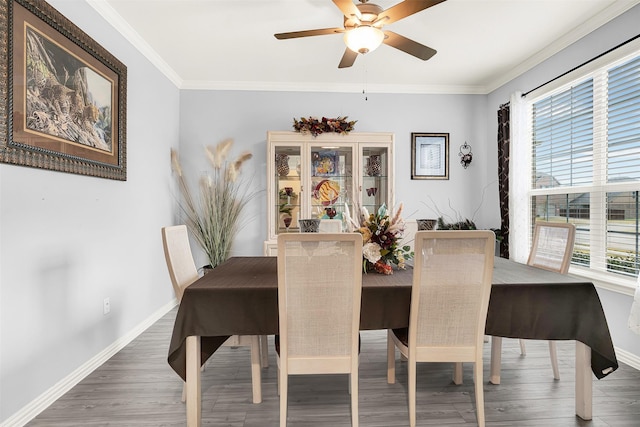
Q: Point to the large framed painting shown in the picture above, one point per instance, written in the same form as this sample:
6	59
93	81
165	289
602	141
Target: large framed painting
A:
429	155
65	95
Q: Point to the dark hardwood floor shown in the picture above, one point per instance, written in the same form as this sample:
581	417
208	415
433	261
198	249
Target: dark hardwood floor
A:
136	387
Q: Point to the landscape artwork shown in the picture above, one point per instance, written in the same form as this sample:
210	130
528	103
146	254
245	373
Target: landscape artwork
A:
65	97
66	107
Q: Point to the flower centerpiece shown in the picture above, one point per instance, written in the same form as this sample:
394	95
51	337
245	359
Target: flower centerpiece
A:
212	211
315	127
381	234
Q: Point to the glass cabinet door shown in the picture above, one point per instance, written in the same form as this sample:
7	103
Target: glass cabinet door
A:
375	189
331	183
288	182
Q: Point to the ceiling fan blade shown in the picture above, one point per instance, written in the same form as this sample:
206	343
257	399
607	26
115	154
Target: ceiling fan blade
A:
348	8
308	33
407	45
348	58
404	9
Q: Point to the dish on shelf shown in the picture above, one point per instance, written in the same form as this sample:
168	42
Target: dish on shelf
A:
327	192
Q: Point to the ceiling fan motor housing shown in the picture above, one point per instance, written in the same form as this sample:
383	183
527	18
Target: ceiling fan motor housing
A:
369	13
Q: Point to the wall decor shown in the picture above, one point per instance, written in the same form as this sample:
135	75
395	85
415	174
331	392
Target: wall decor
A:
316	126
429	155
66	95
466	156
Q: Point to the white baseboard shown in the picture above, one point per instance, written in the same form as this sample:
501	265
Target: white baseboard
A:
42	402
628	358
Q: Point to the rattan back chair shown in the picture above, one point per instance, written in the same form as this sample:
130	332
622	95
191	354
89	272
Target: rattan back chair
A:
452	278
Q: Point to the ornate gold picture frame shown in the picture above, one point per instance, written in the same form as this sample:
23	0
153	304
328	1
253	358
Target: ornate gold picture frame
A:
65	95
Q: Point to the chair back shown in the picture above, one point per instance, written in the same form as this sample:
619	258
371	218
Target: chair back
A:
552	246
177	253
452	278
319	291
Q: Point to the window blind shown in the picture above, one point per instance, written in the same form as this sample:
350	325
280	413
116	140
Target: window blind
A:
623	166
585	149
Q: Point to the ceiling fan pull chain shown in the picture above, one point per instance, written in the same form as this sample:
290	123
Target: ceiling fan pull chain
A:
364	88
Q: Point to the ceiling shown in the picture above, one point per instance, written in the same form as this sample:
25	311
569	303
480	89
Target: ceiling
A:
229	44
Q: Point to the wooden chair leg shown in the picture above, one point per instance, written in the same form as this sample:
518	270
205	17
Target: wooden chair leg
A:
479	386
282	386
278	375
391	359
411	371
353	386
523	349
256	375
457	373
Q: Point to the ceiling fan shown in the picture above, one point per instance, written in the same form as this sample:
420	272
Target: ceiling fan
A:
363	29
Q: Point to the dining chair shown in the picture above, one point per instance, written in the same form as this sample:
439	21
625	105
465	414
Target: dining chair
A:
452	278
183	272
319	293
551	250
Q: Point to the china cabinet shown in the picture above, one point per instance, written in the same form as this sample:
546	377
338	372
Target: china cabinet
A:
321	177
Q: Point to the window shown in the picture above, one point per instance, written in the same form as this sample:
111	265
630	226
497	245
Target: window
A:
585	165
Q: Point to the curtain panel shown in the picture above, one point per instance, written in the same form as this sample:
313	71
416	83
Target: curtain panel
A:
504	141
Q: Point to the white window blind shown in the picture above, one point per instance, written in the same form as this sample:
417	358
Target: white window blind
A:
585	149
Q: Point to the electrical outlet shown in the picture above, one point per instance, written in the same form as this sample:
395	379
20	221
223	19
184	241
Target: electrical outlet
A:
106	306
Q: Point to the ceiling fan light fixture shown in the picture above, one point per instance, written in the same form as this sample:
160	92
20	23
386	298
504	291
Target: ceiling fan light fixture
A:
364	38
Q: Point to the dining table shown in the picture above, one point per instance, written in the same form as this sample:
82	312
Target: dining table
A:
240	297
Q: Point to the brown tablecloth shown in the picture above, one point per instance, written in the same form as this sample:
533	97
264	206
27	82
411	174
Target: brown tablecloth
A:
240	297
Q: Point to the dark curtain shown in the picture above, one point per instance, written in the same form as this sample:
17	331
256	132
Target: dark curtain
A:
504	142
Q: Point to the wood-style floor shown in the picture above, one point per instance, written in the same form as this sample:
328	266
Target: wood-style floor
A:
136	387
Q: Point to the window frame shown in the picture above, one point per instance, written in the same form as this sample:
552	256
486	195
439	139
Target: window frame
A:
599	187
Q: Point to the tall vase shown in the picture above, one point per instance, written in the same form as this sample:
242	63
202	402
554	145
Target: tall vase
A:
374	165
282	164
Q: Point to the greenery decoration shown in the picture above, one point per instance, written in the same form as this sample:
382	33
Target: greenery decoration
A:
315	127
212	213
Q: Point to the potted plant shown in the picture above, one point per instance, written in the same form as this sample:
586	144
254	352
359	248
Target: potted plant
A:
212	212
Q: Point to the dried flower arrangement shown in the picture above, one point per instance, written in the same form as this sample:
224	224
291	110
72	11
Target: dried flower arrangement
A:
315	127
213	215
381	233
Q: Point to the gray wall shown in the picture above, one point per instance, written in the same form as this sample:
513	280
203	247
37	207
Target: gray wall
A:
208	117
68	241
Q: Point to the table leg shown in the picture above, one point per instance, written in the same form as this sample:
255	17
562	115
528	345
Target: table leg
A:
194	399
496	359
584	382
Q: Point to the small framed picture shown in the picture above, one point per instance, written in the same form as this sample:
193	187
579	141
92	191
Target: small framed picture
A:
324	163
429	155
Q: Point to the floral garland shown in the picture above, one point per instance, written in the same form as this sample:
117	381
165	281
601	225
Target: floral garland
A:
381	235
315	127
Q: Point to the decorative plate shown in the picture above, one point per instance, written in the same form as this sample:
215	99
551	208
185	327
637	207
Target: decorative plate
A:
327	192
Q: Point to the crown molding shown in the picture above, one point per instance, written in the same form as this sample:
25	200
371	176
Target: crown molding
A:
333	87
115	19
608	14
